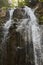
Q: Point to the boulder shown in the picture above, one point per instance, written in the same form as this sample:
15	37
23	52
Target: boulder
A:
19	13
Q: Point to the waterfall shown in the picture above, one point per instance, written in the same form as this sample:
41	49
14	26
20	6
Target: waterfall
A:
32	28
29	29
7	24
5	36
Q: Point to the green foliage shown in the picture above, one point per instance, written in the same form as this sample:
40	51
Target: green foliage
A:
40	0
21	4
27	2
41	19
4	3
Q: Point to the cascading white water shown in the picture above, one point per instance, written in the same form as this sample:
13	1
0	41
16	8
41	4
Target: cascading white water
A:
36	37
7	25
5	34
25	28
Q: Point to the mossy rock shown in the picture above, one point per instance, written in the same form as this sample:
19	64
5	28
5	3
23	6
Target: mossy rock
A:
39	13
4	16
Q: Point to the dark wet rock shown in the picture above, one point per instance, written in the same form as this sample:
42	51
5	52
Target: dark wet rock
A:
7	15
39	12
1	36
19	13
33	3
16	48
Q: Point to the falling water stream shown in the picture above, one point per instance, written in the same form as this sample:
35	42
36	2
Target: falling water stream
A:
8	23
27	24
5	36
36	37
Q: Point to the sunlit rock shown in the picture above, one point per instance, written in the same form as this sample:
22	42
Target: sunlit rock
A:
4	15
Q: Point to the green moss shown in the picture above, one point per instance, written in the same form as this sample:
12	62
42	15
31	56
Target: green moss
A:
41	19
40	0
